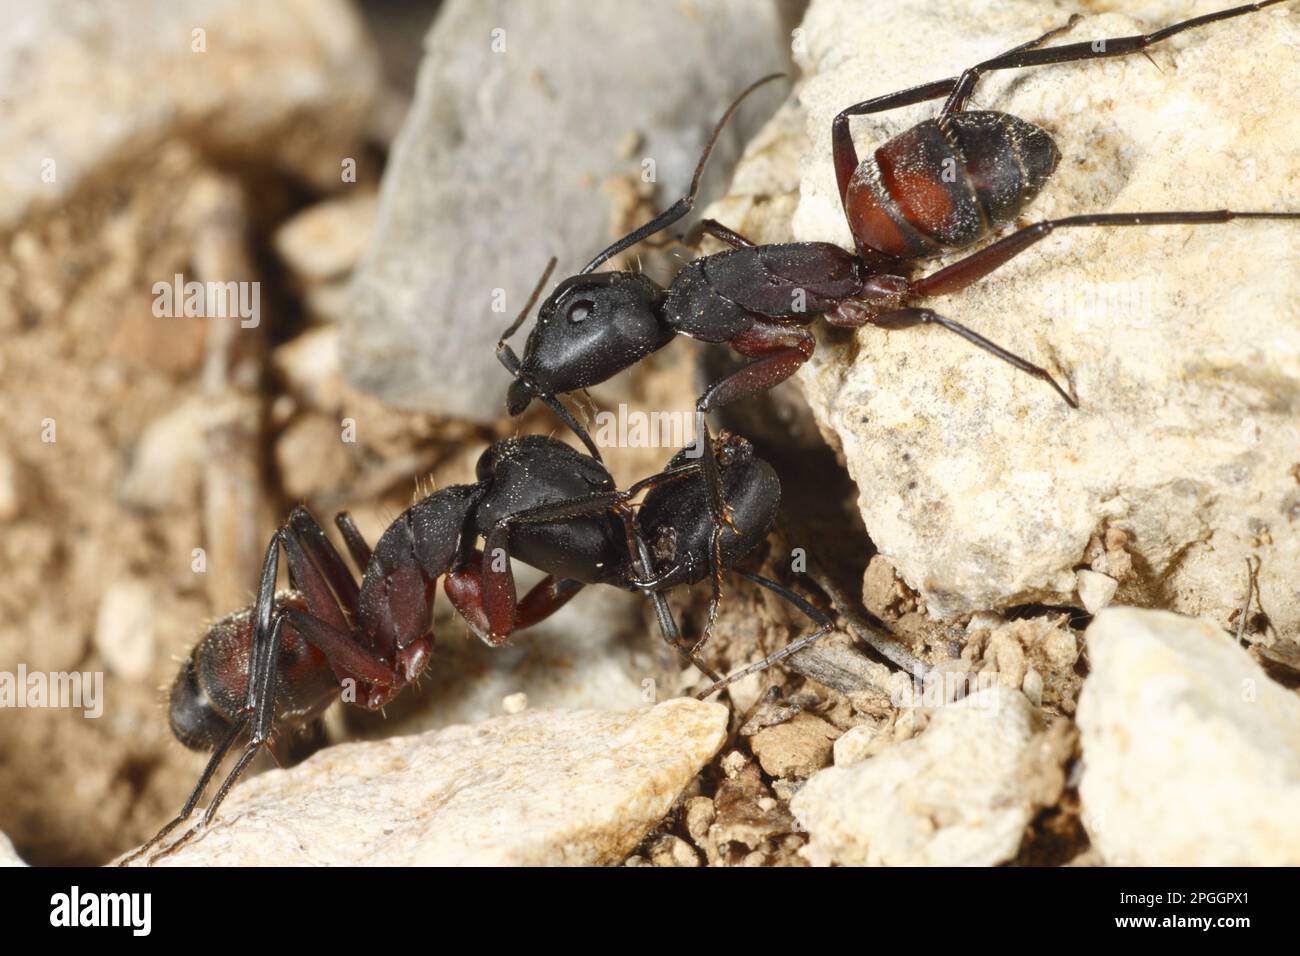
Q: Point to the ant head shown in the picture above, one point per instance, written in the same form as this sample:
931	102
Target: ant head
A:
675	518
590	328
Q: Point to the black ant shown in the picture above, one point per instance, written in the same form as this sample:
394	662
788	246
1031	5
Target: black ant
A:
942	185
281	662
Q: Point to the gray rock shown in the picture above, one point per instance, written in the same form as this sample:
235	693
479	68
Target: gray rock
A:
540	788
1191	753
503	158
1182	343
286	83
957	795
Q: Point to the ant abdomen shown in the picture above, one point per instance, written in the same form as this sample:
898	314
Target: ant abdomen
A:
946	183
211	688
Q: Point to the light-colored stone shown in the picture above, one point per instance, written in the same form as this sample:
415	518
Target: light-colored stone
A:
518	118
953	796
8	855
540	788
1191	753
858	743
285	83
1095	590
166	461
310	366
978	483
124	629
325	241
796	748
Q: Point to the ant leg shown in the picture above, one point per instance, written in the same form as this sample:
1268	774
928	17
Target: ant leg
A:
778	349
499	596
958	88
976	266
906	318
261	664
668	629
260	710
1087	50
214	763
711	227
874	637
684	205
341	649
464	587
357	546
824	626
309	534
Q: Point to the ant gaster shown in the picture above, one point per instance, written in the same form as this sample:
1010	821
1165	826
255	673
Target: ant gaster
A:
940	186
281	662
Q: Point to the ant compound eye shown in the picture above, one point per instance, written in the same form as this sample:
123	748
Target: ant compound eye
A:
579	311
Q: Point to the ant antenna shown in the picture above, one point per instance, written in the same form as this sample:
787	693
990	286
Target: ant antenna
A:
528	306
684	205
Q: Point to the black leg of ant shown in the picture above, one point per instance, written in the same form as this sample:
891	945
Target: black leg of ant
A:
959	88
823	623
498	599
464	586
1087	50
266	638
979	264
907	318
711	227
356	544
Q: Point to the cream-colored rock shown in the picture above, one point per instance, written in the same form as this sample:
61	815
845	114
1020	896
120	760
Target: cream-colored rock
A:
88	85
1095	590
8	855
540	788
1181	343
325	241
795	748
124	628
955	795
1191	753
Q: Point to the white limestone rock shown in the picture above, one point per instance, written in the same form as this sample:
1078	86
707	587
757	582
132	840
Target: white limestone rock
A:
1182	343
1191	752
539	788
954	796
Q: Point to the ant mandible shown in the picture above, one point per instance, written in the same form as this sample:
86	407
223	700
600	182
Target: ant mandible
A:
281	662
902	209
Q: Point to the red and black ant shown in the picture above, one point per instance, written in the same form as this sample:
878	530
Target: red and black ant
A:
940	186
281	662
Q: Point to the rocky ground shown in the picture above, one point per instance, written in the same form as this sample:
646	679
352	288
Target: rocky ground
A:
1071	582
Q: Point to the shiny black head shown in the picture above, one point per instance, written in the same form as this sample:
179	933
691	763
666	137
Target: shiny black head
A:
675	519
590	328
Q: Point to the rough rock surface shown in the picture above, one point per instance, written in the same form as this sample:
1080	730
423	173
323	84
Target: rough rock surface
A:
285	82
7	855
955	795
523	114
1191	753
1182	343
541	788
